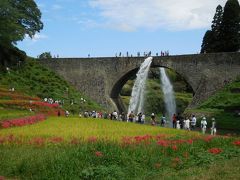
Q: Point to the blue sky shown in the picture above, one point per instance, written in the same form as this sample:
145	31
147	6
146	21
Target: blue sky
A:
76	28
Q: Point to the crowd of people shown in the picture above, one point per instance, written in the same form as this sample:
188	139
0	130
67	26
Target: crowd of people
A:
177	121
144	54
190	123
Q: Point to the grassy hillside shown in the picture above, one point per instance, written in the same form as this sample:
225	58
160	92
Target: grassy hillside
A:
33	79
224	106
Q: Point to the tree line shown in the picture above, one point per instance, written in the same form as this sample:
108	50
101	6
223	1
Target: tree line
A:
224	35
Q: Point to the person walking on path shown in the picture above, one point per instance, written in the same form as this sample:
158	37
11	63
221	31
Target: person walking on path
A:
203	124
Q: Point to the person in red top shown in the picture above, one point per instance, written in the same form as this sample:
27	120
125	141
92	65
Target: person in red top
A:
174	120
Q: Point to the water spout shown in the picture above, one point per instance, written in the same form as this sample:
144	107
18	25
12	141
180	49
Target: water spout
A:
169	98
138	92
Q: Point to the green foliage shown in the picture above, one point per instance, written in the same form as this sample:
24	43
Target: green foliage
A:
224	35
223	106
230	28
17	19
224	98
45	55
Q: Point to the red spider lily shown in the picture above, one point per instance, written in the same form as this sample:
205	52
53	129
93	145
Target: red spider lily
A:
54	105
163	143
174	147
208	138
215	150
237	143
190	141
98	154
92	139
38	141
75	141
160	136
145	138
23	121
56	140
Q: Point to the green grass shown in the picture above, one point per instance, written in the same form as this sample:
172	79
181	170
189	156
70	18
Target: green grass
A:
109	157
10	114
35	80
222	106
86	127
224	98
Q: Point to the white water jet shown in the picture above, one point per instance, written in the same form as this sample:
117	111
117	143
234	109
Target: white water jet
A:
138	92
169	98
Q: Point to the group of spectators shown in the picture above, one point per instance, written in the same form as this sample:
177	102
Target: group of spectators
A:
144	54
190	123
178	122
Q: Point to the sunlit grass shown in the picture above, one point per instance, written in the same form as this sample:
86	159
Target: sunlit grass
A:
84	128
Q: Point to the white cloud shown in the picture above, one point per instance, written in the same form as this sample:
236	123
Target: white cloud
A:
36	37
130	15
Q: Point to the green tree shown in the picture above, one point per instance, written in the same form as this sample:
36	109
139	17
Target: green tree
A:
211	38
215	45
230	28
45	55
17	19
207	40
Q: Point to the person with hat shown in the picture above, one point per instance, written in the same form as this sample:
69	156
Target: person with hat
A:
153	121
213	128
203	124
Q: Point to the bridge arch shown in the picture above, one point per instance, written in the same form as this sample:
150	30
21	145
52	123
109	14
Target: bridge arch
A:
118	85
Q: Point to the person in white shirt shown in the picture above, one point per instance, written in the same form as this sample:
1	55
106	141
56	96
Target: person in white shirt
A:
204	125
187	124
193	122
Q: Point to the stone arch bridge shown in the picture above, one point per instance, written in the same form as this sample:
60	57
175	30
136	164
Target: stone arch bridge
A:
103	78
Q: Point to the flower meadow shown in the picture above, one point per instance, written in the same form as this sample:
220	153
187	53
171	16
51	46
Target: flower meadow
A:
78	148
15	100
22	121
